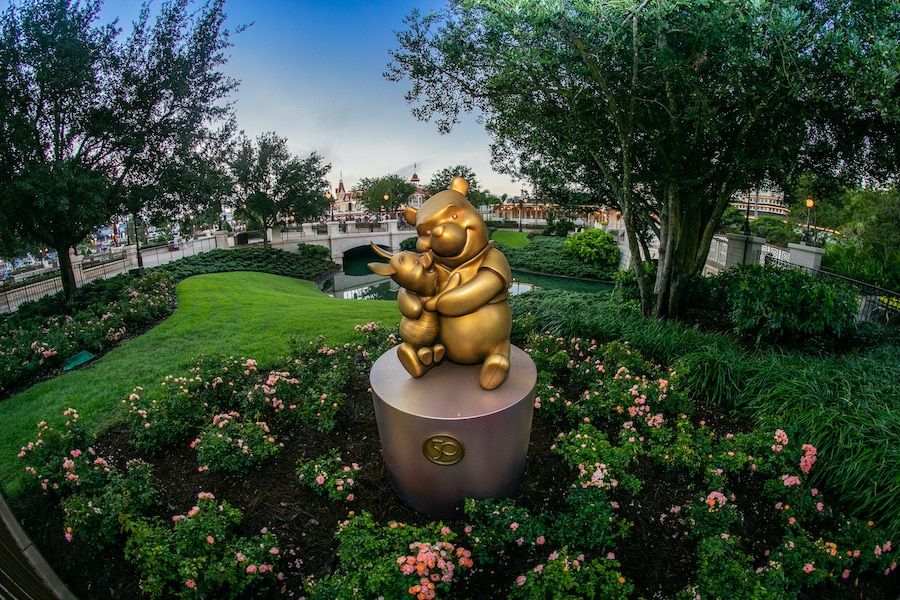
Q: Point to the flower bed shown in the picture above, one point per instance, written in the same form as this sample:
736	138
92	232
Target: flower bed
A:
629	492
33	346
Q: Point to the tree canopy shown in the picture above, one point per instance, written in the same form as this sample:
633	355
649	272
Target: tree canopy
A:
664	109
440	181
384	194
91	125
271	186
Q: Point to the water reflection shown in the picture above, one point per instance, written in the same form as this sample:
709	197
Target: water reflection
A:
357	282
387	289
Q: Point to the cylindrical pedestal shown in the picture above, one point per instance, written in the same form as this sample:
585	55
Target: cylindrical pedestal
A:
445	439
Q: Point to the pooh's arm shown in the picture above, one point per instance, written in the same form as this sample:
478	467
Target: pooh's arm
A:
492	279
472	295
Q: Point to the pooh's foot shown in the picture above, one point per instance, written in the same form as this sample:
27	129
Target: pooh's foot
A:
409	358
494	371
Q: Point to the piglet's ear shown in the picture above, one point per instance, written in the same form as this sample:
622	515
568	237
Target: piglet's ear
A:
409	213
380	268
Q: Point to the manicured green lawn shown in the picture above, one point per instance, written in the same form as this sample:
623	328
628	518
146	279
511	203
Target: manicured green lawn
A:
513	239
245	314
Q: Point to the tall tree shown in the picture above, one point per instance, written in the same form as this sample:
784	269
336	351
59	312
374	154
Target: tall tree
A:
88	122
440	181
384	194
663	108
273	186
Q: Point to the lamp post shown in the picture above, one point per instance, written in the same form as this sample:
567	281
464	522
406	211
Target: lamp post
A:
809	205
745	228
521	204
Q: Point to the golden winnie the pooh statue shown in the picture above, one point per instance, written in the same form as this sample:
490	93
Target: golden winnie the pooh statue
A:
454	290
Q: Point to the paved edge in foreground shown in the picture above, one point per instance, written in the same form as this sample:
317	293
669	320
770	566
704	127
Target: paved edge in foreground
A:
24	574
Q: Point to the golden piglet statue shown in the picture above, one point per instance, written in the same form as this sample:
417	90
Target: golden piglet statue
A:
456	279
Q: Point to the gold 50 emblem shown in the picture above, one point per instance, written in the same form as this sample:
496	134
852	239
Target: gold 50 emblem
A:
443	449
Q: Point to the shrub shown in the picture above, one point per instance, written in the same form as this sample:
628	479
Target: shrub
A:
98	516
165	415
788	305
409	244
569	576
61	459
857	263
495	527
314	251
546	255
307	396
272	261
392	561
200	555
594	247
230	444
222	380
327	476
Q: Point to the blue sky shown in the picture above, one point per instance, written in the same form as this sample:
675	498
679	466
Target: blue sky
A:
311	71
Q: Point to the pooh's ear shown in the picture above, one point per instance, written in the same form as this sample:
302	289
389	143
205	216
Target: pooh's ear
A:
409	213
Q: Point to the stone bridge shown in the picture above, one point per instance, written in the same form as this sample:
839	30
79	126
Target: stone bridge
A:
341	237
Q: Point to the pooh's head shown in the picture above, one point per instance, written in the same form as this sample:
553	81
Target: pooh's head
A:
449	226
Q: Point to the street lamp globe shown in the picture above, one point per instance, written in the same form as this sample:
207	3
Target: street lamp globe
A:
809	205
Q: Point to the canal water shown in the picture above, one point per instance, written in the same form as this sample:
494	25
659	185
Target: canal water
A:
356	281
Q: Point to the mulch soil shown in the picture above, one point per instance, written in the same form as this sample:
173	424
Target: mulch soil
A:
655	557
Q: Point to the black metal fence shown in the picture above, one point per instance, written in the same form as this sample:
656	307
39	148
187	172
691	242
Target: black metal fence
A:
875	304
12	297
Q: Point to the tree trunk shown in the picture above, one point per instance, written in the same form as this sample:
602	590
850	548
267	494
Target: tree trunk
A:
66	275
137	239
685	238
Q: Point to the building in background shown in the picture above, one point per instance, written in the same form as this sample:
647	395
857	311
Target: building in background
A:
765	200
